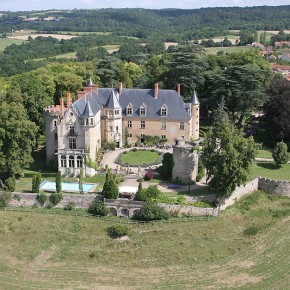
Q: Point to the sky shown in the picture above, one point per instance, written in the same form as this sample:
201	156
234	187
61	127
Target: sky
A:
22	5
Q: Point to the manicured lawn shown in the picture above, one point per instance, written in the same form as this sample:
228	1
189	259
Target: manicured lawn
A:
139	157
270	170
265	153
53	251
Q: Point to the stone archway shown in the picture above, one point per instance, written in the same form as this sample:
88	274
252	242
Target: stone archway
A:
136	212
125	212
113	211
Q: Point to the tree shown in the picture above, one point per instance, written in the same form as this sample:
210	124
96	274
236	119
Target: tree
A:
165	170
280	154
17	135
277	110
148	194
152	211
110	188
36	180
227	156
58	182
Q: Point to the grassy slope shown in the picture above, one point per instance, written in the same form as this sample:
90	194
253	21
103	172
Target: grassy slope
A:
59	252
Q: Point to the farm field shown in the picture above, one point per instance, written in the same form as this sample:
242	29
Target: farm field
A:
246	248
4	42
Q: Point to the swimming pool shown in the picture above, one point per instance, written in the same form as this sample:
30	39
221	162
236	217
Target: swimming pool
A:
67	186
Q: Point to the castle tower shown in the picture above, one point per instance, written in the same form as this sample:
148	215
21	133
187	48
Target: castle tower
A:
185	162
195	117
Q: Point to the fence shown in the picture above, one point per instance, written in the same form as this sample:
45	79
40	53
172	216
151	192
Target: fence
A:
105	218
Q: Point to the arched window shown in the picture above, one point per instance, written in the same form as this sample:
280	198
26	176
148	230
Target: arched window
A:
164	110
92	121
71	161
129	110
79	162
62	161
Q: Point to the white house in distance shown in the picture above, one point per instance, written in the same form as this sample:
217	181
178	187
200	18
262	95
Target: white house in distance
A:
76	131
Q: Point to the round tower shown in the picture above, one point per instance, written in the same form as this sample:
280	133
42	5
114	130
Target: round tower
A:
185	162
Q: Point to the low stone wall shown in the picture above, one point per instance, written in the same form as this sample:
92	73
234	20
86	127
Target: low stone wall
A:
275	186
239	192
29	199
183	210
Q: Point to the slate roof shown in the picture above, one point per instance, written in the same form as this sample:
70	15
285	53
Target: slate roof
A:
110	98
194	99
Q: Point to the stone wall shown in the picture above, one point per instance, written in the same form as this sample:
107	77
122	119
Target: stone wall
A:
182	210
29	199
274	186
239	192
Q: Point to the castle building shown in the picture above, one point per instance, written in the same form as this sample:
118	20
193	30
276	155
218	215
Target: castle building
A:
76	131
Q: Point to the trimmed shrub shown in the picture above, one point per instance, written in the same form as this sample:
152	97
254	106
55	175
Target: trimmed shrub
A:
110	189
55	198
58	182
36	182
150	193
41	198
10	184
280	154
201	170
69	206
118	231
152	211
98	208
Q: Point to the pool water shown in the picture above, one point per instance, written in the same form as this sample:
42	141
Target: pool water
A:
67	186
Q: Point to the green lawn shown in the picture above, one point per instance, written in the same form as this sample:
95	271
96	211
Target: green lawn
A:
139	157
270	170
247	247
214	50
265	153
4	42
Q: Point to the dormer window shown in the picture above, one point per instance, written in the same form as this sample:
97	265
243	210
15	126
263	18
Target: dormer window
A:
143	110
164	111
117	112
129	110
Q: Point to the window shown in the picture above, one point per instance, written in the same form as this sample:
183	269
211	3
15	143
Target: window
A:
163	111
54	123
129	110
129	124
117	112
72	143
142	136
71	161
181	126
143	110
117	128
142	124
163	137
55	136
87	122
163	125
111	114
71	130
79	162
62	161
130	135
92	121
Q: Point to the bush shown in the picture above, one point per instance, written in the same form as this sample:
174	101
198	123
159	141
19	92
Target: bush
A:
10	184
150	193
118	231
5	198
110	189
58	182
134	149
152	211
41	198
280	154
149	175
69	206
36	182
55	198
165	170
98	208
251	231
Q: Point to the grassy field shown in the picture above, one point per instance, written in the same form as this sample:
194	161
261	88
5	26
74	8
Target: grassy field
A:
246	248
139	157
4	42
214	50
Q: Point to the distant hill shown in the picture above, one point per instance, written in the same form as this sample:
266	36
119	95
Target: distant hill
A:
170	24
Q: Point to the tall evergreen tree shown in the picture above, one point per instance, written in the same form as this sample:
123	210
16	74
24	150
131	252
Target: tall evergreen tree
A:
58	182
280	154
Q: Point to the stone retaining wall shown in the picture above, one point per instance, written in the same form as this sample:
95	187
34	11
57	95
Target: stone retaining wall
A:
275	186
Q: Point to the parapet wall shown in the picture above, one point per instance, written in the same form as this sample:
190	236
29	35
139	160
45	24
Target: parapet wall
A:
274	186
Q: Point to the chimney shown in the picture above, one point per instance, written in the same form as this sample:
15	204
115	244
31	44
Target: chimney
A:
68	100
88	89
155	90
178	89
61	106
95	88
120	88
81	95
